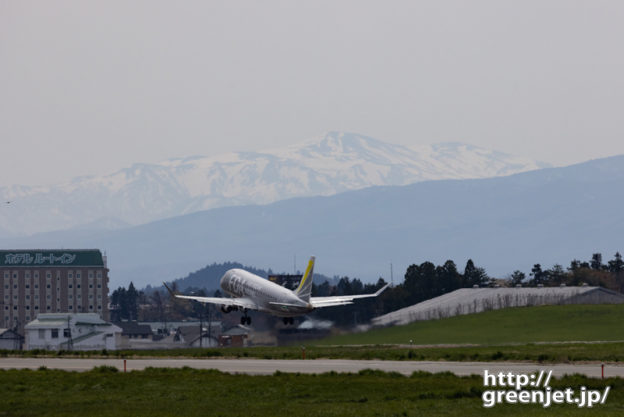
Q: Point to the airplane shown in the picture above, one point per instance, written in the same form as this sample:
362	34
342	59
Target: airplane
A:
251	292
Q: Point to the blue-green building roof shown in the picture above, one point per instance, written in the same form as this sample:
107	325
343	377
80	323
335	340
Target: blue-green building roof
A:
51	257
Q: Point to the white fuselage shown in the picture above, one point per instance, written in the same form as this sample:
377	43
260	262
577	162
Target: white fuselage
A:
243	284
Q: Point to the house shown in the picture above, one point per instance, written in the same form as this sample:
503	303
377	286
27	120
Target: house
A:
134	330
189	335
66	331
237	336
10	340
135	335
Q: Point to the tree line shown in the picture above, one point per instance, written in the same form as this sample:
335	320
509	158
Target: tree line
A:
421	282
155	305
425	281
593	272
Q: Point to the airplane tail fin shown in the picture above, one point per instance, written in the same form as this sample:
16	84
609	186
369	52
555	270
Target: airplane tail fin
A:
304	290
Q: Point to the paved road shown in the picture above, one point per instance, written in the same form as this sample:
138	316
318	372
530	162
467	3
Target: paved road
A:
263	366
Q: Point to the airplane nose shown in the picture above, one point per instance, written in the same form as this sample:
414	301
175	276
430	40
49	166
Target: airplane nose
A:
224	278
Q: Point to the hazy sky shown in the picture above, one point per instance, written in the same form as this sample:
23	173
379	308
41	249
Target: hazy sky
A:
91	87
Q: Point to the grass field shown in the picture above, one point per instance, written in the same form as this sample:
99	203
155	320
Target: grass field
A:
498	335
512	325
568	352
188	392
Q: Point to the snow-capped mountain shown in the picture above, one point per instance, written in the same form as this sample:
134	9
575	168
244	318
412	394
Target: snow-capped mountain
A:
333	163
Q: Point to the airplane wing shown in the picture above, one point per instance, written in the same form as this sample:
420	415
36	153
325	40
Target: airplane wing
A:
276	304
341	300
241	302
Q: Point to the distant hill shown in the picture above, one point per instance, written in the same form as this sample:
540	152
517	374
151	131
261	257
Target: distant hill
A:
546	216
333	163
208	278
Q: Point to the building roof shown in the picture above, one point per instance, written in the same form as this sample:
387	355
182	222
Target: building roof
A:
45	324
56	320
31	258
191	333
236	331
157	325
9	334
134	328
81	338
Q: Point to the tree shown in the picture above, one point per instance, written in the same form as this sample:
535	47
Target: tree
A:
516	278
574	265
179	309
474	276
448	279
322	290
356	286
596	262
420	282
158	301
555	275
538	275
344	286
132	306
119	302
199	309
616	267
125	303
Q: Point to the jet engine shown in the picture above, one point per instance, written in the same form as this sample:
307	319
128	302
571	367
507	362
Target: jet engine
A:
227	309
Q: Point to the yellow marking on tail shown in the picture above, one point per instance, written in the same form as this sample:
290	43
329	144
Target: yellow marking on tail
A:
307	274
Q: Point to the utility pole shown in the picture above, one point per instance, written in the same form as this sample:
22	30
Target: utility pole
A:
201	326
17	345
70	342
391	276
166	332
209	325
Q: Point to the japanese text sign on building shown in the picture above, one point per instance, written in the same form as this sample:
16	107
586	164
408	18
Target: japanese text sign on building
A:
38	258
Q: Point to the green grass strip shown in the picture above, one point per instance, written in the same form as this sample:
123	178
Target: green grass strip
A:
187	392
512	325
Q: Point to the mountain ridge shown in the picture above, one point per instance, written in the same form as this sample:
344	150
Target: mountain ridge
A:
331	164
505	223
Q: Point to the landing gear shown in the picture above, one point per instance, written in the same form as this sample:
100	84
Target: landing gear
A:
288	320
245	320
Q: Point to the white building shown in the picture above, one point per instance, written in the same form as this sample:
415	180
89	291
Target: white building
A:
78	331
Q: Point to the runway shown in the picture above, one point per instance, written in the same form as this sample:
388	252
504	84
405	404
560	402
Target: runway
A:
269	366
